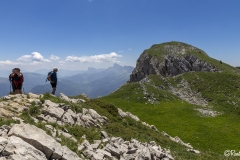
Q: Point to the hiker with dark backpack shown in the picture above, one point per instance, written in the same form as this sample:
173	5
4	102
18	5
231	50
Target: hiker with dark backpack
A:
18	79
52	77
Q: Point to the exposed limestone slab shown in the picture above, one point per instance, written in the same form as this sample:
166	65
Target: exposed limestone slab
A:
69	155
66	98
4	112
53	110
18	148
37	138
35	96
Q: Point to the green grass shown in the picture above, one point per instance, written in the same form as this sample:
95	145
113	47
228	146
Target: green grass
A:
126	128
210	135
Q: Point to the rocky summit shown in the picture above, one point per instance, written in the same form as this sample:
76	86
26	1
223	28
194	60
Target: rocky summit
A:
43	127
170	59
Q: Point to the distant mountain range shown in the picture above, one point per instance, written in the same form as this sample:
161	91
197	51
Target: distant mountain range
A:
93	82
67	73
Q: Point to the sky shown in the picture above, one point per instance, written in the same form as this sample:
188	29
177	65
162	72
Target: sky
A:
77	34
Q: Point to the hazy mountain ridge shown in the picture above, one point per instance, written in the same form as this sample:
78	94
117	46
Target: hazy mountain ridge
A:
94	83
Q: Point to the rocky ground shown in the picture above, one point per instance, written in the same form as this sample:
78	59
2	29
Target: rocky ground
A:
26	141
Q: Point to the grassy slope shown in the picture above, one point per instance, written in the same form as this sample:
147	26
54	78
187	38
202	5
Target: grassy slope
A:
178	118
126	128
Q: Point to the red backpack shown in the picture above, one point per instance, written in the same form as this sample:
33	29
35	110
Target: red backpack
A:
19	79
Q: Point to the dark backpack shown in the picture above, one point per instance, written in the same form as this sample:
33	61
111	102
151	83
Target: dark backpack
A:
48	76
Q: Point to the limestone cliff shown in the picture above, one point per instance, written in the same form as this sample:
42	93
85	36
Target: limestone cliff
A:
170	59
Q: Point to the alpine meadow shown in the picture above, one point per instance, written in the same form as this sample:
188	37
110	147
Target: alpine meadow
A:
184	92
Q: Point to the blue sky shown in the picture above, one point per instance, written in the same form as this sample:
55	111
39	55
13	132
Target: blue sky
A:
76	34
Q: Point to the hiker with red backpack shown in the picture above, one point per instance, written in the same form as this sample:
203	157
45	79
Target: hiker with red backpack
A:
17	80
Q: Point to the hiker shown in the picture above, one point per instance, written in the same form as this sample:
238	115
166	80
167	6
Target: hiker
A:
17	81
11	81
52	77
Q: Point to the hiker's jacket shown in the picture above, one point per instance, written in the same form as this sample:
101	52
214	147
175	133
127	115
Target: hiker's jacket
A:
53	76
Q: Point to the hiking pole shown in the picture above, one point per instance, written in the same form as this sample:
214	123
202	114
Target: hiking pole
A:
10	88
23	90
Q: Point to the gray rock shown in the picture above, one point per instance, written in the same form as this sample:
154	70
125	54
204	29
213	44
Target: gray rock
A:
86	121
105	153
38	139
121	113
67	135
4	130
193	151
114	151
34	96
98	156
66	98
17	148
3	143
36	101
104	134
53	110
68	154
132	151
133	116
175	62
69	117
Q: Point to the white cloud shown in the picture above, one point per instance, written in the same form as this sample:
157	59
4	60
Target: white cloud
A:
53	57
25	58
35	57
7	62
111	57
39	58
129	49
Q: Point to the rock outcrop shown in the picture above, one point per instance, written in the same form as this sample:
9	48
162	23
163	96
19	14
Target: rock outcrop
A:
14	105
173	60
62	114
117	148
25	141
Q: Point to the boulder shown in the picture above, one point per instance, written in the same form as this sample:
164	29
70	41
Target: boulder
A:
53	110
17	148
66	98
69	155
69	117
121	113
38	139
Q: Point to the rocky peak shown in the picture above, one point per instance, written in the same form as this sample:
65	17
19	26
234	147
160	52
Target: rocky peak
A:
117	66
170	59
